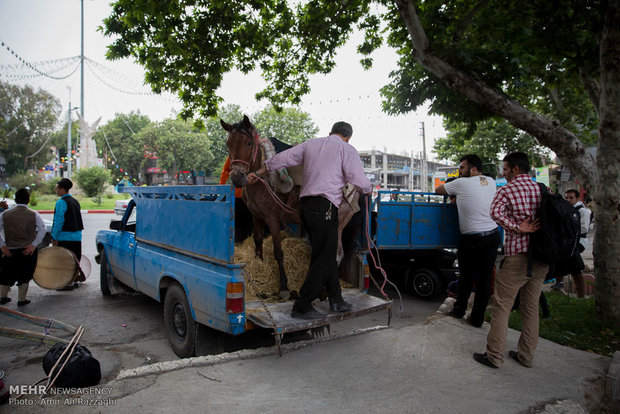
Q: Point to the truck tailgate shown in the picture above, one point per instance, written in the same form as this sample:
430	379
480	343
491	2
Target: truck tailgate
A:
362	303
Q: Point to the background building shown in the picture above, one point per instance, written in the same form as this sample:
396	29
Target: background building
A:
402	172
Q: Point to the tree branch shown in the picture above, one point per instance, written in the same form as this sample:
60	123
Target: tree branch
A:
593	89
563	142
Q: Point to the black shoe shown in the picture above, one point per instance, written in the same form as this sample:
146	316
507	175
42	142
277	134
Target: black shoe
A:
311	314
515	355
23	302
76	285
66	288
4	300
340	306
484	360
456	315
475	324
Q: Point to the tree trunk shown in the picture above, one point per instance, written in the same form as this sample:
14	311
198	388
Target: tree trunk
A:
607	195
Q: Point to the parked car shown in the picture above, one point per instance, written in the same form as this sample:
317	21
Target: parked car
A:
120	206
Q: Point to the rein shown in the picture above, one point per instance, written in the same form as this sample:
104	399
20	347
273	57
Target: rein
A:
257	141
286	207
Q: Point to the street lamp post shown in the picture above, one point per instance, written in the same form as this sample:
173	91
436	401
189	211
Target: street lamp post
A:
69	138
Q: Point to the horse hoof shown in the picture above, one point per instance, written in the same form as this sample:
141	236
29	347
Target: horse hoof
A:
284	294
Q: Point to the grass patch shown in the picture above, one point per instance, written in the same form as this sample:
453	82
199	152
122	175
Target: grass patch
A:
574	323
47	202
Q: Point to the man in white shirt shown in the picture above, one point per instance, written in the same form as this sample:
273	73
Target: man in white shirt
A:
479	236
575	264
21	231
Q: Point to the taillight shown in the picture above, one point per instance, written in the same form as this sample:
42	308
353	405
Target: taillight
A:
366	278
234	297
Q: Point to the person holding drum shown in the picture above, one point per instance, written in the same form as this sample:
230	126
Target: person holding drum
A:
21	231
68	226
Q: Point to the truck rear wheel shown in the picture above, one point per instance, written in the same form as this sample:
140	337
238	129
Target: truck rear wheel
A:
104	275
424	282
180	327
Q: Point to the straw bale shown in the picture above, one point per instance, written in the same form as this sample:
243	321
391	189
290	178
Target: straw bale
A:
264	274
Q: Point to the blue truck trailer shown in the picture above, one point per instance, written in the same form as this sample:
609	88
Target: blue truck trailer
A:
176	245
416	235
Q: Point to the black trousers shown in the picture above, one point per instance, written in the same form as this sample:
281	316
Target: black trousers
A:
18	268
320	219
73	246
476	256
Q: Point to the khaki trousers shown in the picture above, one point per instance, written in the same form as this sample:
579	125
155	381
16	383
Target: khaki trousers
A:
512	277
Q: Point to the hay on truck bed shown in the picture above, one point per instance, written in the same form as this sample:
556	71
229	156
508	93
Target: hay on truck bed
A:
264	273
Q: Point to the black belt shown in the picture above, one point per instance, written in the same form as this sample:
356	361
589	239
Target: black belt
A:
482	233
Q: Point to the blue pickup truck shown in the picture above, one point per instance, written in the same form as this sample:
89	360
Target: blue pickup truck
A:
416	235
176	245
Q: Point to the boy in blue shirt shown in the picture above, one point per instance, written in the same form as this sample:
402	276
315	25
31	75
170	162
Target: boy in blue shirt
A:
68	226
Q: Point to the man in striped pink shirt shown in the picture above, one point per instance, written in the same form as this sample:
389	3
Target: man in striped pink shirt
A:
514	208
329	163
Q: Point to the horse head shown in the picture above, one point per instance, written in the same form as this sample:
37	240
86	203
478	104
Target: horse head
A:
242	143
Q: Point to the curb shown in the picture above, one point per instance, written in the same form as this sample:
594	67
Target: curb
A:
612	380
81	211
209	360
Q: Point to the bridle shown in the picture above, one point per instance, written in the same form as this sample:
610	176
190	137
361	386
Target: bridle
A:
256	139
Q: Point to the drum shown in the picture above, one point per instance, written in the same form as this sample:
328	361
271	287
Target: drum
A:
56	268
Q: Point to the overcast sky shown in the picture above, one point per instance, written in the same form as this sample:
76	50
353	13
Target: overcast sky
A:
42	30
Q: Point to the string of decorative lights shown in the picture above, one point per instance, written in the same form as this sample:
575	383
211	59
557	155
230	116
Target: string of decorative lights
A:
129	84
31	66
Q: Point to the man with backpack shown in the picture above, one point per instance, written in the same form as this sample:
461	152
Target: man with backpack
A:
574	265
515	207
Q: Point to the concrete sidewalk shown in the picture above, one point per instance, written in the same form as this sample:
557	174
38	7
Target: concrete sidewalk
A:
424	368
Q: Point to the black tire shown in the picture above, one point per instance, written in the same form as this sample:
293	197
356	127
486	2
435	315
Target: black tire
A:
424	283
104	275
179	325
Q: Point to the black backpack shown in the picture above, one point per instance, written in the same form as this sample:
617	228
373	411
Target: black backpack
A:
558	236
82	370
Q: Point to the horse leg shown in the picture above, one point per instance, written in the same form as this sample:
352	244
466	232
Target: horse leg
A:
274	228
259	233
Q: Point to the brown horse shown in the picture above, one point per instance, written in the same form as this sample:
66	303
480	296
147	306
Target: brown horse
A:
268	206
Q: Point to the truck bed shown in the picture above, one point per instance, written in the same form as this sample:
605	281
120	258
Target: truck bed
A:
281	312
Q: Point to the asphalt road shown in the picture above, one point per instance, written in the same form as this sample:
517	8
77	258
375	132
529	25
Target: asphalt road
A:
126	331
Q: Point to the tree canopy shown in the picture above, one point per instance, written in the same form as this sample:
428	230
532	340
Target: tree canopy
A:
119	142
27	120
290	125
488	140
540	56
